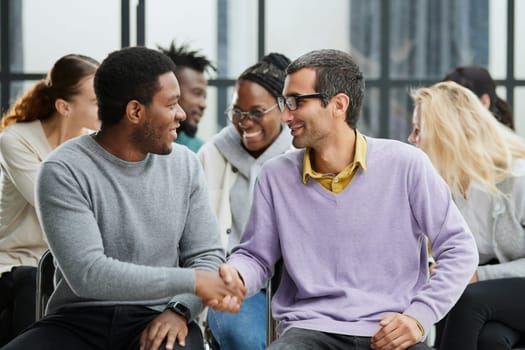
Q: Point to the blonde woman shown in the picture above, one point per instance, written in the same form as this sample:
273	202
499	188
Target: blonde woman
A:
53	111
483	163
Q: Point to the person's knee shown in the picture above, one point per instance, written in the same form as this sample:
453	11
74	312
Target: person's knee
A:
236	336
194	339
420	346
491	343
245	330
280	345
24	282
293	339
250	339
495	335
470	299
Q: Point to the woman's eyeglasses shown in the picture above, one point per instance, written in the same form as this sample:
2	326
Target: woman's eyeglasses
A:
236	115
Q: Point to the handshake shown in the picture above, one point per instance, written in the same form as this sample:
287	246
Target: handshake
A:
223	291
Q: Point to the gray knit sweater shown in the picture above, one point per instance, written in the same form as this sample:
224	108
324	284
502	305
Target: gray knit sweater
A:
126	232
501	220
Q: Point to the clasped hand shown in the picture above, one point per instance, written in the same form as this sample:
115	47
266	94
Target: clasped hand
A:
223	291
396	332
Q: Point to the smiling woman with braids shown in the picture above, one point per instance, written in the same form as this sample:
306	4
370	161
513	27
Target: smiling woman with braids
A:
232	161
53	111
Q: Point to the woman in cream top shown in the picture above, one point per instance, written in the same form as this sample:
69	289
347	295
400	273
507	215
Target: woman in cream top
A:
56	109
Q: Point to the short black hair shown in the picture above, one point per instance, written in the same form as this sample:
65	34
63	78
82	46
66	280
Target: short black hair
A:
183	57
128	74
336	72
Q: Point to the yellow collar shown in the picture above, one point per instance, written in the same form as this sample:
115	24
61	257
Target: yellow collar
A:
359	159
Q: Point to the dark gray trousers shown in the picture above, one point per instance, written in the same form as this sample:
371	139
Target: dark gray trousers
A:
91	328
306	339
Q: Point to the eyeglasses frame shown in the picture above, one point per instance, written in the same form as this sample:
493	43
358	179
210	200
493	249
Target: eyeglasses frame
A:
248	114
283	100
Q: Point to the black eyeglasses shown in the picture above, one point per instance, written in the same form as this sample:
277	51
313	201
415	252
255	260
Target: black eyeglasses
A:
292	101
236	115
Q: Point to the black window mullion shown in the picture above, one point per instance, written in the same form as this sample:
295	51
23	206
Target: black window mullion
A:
141	23
4	58
222	61
384	75
510	81
261	28
124	23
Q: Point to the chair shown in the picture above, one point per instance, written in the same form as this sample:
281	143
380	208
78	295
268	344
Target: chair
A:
44	283
521	344
209	341
271	288
271	324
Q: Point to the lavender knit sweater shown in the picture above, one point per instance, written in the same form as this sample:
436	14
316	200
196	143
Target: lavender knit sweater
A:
352	257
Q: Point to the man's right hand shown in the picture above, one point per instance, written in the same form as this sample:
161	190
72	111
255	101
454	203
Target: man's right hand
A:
168	327
219	293
231	277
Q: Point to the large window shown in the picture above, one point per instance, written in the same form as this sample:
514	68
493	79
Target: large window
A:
36	33
400	44
403	44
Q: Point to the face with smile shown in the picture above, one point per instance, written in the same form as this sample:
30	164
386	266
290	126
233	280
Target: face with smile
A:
257	134
161	117
193	87
310	122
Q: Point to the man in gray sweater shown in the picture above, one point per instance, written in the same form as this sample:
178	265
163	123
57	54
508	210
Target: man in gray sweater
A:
128	220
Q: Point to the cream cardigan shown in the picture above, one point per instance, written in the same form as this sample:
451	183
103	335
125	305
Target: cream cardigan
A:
23	146
220	178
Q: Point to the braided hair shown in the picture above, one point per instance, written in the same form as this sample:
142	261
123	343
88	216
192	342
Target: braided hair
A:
269	72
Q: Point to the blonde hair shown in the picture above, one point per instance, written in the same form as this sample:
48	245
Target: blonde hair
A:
463	139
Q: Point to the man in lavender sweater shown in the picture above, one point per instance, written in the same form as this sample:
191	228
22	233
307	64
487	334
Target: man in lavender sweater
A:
348	215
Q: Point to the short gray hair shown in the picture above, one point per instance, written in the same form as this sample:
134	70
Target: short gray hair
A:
336	72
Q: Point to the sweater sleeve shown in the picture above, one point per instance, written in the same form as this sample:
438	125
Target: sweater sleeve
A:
76	242
259	250
200	246
20	163
510	269
453	245
509	230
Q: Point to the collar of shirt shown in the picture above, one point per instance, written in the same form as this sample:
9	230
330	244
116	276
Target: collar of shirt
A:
345	175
